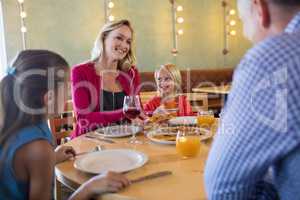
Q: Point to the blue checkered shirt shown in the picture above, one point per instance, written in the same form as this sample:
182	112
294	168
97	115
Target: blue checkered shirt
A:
256	152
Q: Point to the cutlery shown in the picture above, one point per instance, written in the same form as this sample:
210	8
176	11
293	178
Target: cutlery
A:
97	148
151	176
100	139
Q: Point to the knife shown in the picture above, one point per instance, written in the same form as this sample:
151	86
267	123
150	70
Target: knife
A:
151	176
100	139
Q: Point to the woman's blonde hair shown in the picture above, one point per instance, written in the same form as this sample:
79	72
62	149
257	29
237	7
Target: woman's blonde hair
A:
174	73
98	49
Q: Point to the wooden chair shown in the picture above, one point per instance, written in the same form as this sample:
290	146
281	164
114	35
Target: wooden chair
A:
63	124
69	106
198	101
61	127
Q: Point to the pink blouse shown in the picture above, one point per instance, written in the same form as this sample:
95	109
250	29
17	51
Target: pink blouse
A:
86	88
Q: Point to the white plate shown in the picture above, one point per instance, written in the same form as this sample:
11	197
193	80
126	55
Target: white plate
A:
205	134
118	131
185	120
117	160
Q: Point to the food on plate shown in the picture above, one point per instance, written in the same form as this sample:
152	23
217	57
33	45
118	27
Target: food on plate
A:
165	137
157	118
170	104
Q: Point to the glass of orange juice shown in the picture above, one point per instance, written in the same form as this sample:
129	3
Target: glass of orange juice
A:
205	118
187	144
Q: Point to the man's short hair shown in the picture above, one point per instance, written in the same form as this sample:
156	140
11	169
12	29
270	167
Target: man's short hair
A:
286	2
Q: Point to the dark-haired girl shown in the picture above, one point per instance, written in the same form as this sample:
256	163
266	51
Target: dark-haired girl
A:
33	89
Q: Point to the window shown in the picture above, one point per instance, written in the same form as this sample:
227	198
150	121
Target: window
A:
3	58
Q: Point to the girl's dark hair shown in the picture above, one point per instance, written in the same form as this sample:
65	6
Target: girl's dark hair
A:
32	75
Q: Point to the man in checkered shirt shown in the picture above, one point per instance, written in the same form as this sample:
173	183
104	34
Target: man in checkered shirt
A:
256	152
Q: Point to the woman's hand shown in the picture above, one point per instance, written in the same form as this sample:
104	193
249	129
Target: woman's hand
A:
63	153
143	116
110	182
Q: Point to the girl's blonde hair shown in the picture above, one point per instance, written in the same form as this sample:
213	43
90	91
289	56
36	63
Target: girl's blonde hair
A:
174	73
98	49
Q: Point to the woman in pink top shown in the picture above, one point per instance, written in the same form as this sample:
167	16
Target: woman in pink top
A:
99	86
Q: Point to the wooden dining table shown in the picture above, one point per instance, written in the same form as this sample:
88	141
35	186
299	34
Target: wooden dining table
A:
221	89
186	181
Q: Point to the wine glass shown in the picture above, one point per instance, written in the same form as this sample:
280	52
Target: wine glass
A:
132	109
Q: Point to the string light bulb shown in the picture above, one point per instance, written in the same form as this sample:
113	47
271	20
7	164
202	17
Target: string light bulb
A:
179	8
111	18
180	20
23	14
23	29
232	33
180	32
111	4
177	28
232	23
108	10
232	12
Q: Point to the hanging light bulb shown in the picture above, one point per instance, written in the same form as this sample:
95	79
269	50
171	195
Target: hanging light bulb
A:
23	29
232	32
232	23
111	18
232	12
179	8
21	1
111	4
180	32
23	14
180	20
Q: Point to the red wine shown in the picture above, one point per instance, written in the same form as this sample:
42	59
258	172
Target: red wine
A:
132	113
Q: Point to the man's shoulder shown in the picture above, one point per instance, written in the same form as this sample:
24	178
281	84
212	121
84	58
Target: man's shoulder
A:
276	49
272	54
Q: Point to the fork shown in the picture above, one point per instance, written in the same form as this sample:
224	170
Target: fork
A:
96	148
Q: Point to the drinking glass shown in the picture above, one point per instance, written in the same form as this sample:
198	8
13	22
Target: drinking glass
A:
187	143
132	109
205	119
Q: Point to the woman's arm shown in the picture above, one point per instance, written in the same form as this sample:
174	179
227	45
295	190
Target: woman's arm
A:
110	182
136	79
